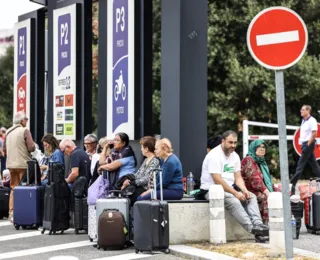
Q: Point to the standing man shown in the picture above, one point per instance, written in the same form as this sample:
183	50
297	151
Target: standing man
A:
17	146
79	161
222	166
308	133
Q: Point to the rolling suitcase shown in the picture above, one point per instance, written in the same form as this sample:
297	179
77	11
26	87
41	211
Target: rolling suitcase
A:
151	222
79	214
28	201
79	205
56	203
92	223
4	202
112	203
312	209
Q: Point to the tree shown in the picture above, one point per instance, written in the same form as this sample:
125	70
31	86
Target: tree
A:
6	87
239	88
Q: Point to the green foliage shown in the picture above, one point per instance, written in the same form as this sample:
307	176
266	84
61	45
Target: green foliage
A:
239	88
6	88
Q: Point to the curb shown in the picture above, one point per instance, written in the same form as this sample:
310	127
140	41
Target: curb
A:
197	254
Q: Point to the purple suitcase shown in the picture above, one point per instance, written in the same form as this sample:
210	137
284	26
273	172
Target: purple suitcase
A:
28	205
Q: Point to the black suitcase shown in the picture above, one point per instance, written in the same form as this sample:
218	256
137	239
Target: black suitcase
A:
79	214
151	223
4	202
312	210
56	204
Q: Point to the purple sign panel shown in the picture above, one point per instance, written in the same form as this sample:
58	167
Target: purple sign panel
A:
22	70
120	63
64	42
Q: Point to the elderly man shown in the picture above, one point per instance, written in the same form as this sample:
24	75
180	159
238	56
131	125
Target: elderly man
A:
17	146
79	161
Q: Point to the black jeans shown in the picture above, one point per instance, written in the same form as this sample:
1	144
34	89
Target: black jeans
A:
307	156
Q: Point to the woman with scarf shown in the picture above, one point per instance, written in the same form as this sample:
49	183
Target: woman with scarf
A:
118	159
255	173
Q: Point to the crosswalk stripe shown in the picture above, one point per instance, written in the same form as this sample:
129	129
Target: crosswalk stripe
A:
45	249
25	234
125	256
5	223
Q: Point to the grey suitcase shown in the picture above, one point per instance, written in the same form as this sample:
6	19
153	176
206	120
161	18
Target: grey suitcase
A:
118	203
92	222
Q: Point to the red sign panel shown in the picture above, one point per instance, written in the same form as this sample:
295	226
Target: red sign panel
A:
297	143
277	37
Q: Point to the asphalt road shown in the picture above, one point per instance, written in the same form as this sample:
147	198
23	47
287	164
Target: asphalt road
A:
32	245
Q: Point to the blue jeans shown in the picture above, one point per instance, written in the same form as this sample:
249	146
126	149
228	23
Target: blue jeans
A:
167	195
44	183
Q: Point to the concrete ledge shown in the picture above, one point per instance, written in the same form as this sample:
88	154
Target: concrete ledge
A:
189	222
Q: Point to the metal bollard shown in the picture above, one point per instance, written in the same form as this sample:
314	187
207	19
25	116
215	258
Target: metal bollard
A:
217	215
276	224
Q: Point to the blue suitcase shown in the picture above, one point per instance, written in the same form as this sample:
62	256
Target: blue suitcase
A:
28	205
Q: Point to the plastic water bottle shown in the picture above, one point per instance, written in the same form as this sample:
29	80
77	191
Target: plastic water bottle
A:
190	183
294	227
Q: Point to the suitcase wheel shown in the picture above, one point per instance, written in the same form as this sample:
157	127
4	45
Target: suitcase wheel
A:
24	227
137	251
167	251
42	231
76	231
62	231
50	232
98	247
104	249
91	239
17	227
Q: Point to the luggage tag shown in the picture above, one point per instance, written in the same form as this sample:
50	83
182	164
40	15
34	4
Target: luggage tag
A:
125	230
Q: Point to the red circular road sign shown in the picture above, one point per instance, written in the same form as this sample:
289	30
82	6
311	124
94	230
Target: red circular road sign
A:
277	37
297	143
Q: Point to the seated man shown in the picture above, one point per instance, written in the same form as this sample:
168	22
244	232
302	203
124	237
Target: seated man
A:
222	166
79	161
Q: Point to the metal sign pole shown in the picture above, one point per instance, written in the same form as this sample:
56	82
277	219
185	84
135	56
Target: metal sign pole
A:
281	114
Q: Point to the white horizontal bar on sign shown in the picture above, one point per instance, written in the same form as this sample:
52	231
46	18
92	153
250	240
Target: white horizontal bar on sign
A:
276	38
125	256
290	127
268	137
317	141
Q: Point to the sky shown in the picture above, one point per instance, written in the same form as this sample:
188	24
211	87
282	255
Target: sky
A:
11	9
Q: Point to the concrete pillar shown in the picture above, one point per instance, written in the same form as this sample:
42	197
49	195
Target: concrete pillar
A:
217	215
276	225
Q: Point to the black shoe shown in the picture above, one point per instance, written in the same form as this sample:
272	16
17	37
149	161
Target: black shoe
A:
293	190
260	230
261	239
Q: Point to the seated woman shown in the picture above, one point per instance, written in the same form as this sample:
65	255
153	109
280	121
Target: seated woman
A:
142	176
119	160
171	173
52	154
255	173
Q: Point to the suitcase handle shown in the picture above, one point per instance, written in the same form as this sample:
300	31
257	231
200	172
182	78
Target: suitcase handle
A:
113	192
154	192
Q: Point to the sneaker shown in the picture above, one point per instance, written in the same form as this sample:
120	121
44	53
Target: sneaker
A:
260	230
261	239
11	217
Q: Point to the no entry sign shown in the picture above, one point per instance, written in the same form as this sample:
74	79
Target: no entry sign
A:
297	143
277	38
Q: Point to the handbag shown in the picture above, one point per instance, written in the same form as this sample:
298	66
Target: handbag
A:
80	187
98	190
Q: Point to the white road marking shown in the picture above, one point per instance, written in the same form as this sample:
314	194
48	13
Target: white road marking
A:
45	249
126	256
20	235
276	38
5	223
